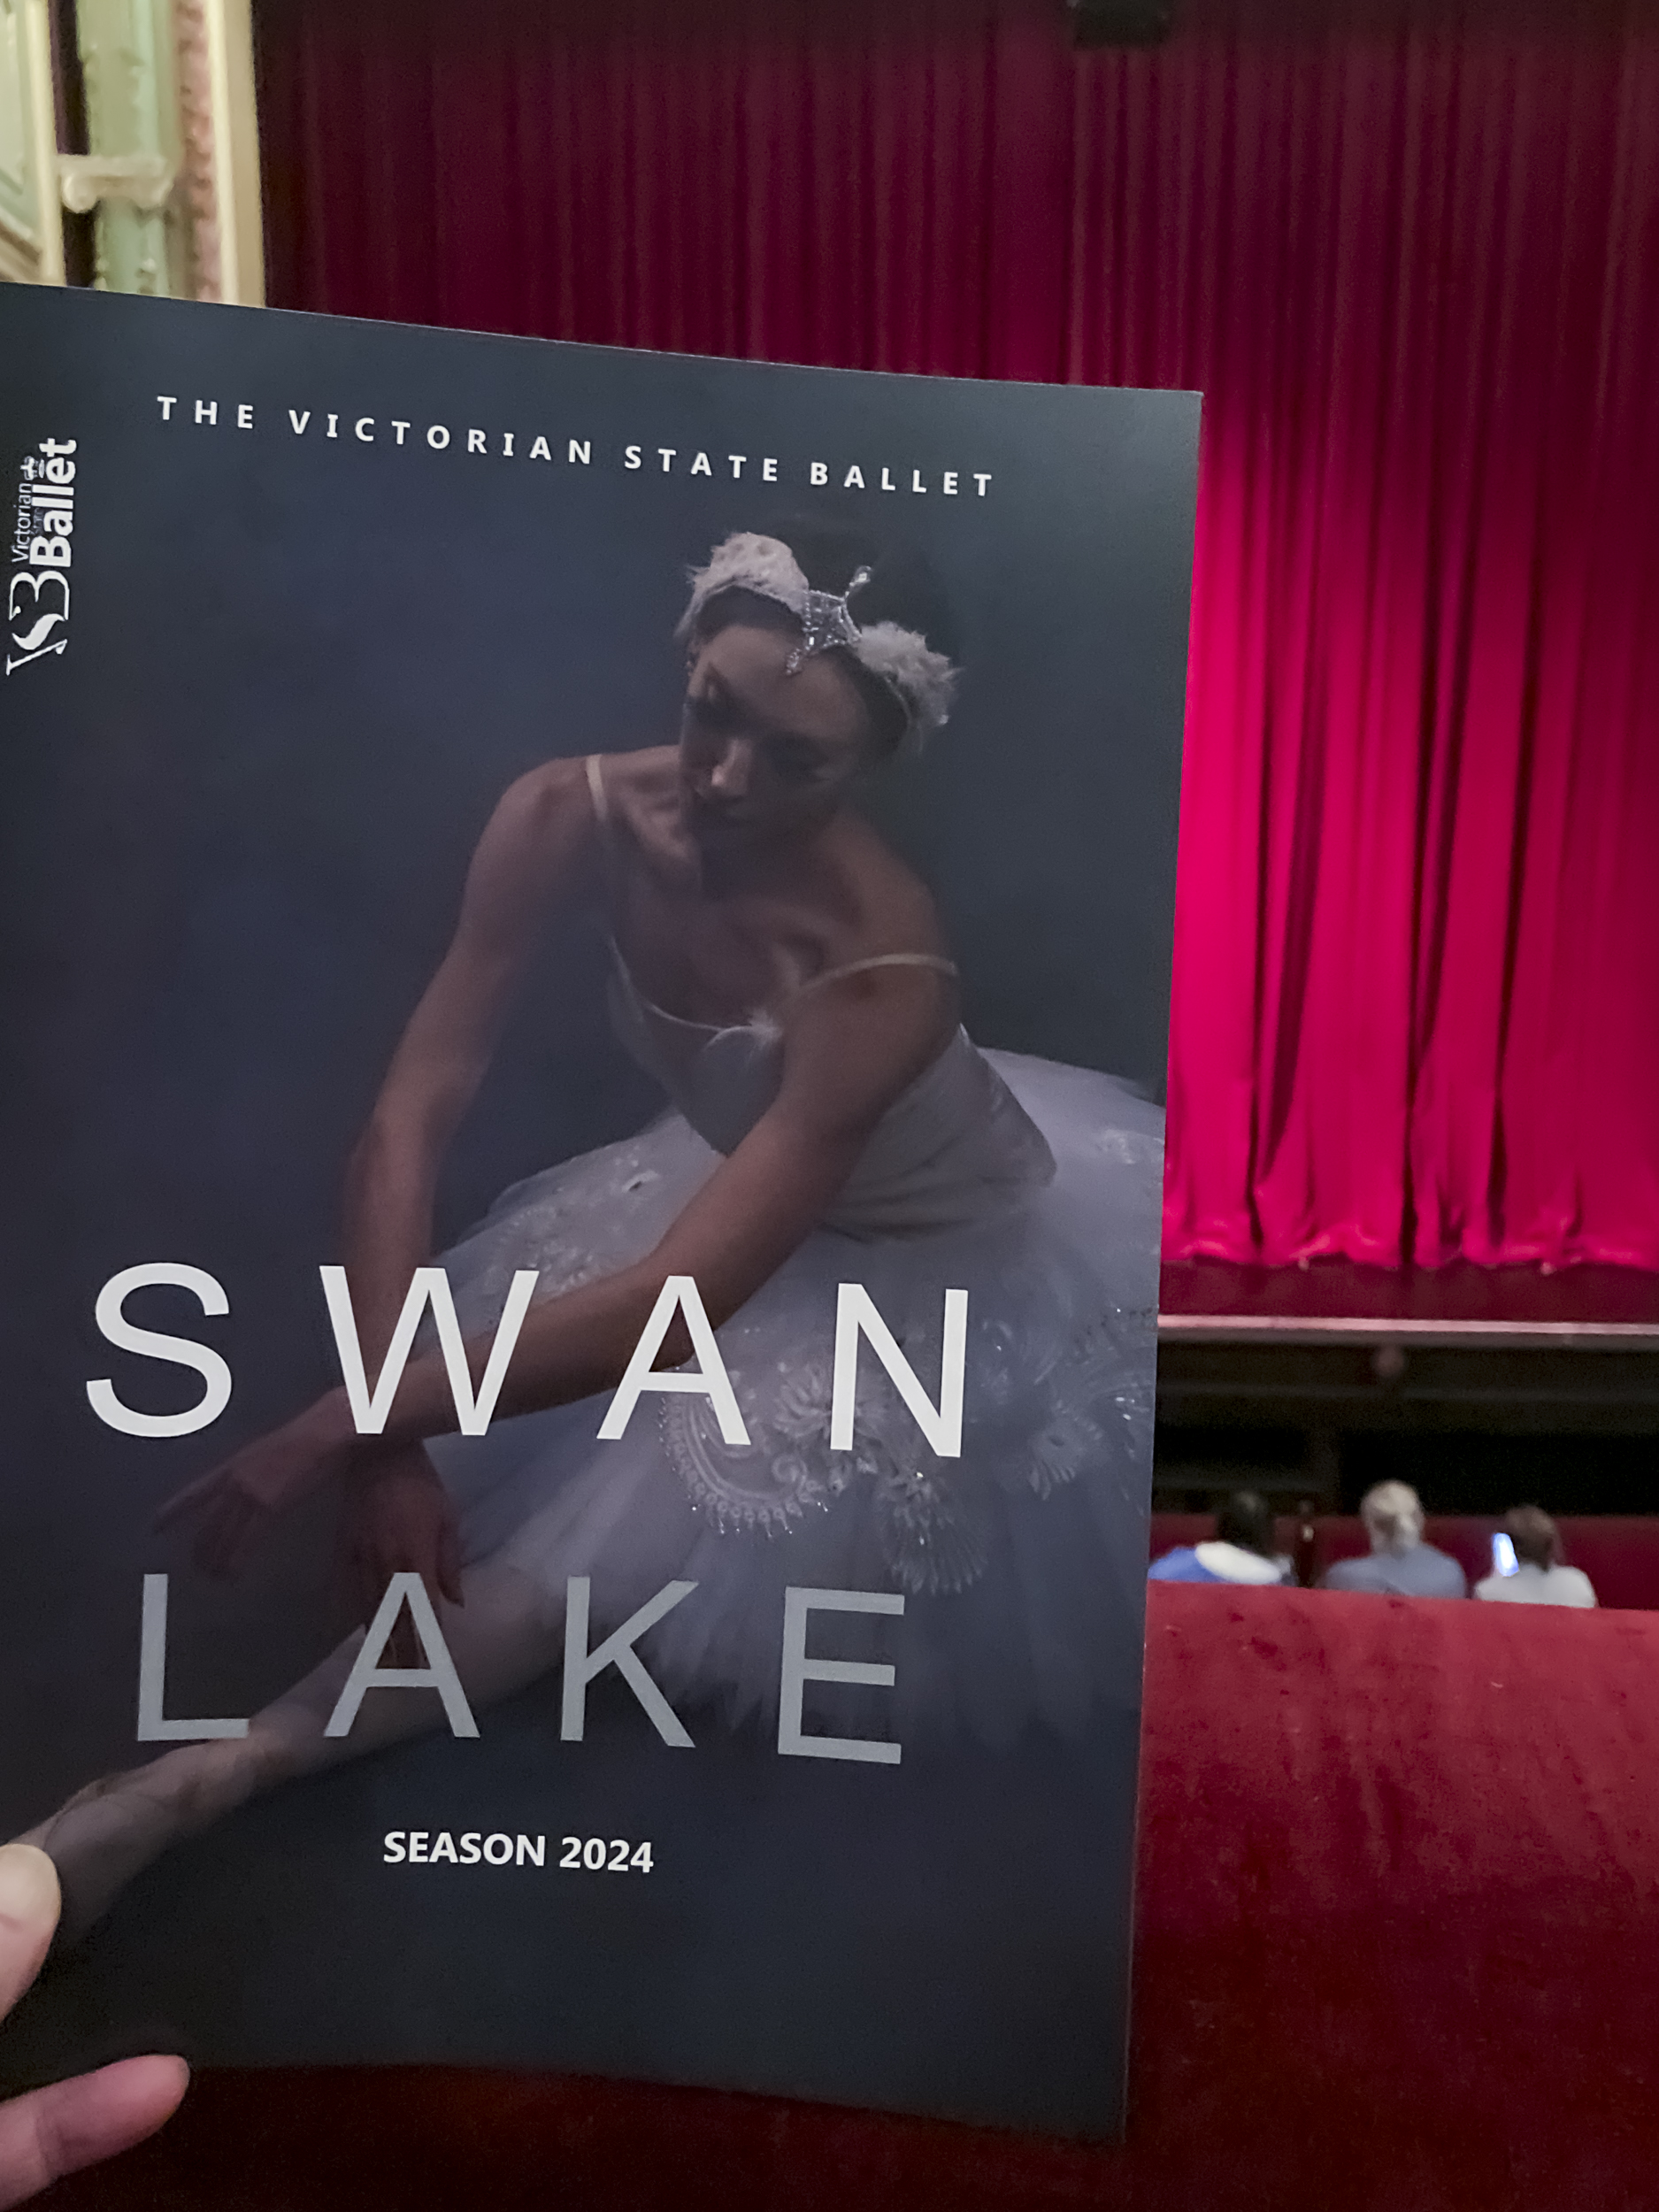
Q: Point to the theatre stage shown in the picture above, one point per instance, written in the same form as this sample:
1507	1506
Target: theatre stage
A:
1484	1387
1462	1304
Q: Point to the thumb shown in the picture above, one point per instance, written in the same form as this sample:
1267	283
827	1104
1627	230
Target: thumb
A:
29	1914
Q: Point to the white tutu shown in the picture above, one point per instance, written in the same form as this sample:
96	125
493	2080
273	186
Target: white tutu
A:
1034	1187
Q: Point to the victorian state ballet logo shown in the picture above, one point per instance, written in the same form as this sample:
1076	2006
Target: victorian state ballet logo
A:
37	596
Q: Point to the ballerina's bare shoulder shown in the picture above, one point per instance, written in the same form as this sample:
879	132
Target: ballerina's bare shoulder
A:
714	938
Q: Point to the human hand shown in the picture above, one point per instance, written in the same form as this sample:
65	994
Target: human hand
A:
399	1521
73	2124
234	1504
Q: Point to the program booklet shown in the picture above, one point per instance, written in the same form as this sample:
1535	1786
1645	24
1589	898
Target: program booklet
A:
586	946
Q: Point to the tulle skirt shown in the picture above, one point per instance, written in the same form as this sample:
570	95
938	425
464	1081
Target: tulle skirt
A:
1021	1563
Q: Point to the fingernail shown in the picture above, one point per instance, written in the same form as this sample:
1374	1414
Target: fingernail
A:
28	1885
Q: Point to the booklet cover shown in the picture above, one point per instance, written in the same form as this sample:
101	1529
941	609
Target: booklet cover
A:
586	942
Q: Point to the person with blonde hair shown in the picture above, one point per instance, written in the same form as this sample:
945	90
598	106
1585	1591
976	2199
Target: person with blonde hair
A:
1401	1564
1541	1576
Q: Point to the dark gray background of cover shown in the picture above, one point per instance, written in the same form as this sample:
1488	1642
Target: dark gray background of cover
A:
237	814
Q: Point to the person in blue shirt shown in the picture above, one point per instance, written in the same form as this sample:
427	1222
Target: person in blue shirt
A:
1242	1552
1401	1563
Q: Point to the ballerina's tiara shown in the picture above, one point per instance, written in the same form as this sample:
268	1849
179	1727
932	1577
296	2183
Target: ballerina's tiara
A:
922	680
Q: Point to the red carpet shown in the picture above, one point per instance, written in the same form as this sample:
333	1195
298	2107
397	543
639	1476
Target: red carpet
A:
1398	1953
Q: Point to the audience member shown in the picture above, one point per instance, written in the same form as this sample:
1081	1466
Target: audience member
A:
1242	1552
1541	1577
1401	1564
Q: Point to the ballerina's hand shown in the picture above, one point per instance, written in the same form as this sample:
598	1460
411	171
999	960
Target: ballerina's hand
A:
399	1521
73	2123
235	1504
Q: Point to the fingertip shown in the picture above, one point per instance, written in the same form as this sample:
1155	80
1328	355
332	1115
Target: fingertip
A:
174	2075
117	2106
144	2091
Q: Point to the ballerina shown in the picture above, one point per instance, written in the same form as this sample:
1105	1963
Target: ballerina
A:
785	978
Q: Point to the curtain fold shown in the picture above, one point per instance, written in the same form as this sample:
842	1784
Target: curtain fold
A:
1411	256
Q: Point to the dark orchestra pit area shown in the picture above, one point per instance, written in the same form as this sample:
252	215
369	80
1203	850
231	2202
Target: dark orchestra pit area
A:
1480	1387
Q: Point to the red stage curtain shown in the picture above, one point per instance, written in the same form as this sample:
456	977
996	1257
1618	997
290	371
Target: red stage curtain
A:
1412	257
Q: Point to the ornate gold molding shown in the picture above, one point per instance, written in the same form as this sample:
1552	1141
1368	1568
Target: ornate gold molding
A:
142	180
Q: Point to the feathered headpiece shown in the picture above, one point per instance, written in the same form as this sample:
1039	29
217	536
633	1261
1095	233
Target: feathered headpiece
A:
922	680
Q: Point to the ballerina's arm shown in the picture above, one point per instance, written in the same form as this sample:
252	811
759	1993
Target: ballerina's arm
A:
534	855
848	1051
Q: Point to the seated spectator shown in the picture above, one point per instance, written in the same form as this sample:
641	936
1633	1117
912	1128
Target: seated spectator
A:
1541	1576
1242	1551
1401	1564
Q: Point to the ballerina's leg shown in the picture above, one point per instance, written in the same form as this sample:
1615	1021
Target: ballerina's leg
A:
508	1633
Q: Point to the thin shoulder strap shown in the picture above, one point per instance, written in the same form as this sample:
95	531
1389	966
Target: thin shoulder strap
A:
936	961
596	791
